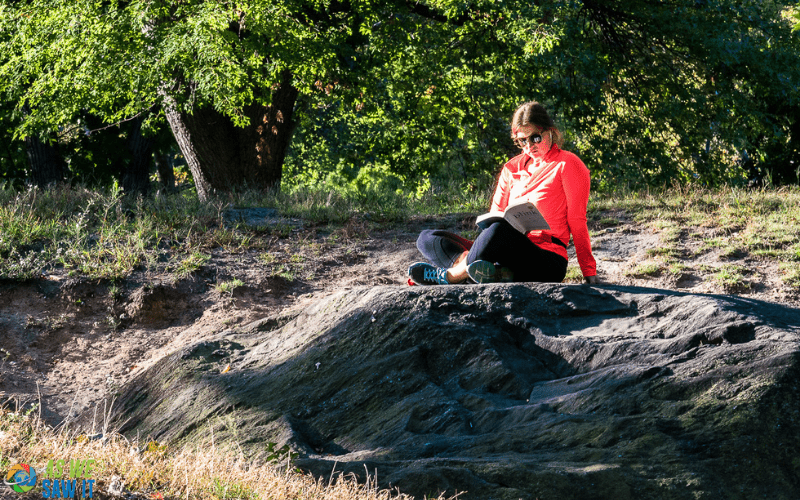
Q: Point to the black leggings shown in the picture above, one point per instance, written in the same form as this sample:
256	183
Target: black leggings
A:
500	244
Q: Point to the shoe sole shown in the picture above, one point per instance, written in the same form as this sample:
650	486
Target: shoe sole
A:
482	271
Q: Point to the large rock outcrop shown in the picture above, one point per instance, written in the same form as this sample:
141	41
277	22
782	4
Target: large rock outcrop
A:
505	391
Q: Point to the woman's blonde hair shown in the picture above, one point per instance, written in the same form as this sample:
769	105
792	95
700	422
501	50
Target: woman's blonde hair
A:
533	113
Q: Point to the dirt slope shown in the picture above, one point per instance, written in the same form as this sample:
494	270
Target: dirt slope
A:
70	344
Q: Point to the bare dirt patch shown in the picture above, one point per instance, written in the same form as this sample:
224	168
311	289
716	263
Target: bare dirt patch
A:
70	344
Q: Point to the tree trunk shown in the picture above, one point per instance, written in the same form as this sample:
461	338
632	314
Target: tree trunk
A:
136	177
47	165
166	174
223	157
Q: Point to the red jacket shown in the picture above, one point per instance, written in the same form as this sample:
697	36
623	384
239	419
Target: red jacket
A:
558	185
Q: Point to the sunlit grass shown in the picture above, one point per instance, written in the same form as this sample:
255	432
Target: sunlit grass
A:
731	278
646	269
758	222
228	287
103	234
574	275
154	470
676	268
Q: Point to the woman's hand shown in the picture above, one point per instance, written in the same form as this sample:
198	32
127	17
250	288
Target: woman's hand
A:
592	280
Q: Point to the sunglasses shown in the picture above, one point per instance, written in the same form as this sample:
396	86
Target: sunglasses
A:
531	140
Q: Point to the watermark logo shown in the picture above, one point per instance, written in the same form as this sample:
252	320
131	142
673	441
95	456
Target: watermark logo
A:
78	484
21	478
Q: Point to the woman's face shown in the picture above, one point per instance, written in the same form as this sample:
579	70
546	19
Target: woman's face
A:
526	137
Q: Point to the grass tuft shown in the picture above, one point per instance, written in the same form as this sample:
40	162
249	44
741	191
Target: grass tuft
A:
646	269
574	275
191	263
791	275
731	278
227	287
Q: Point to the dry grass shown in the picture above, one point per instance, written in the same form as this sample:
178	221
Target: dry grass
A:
754	226
152	470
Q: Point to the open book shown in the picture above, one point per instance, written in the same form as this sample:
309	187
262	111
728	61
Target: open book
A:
522	215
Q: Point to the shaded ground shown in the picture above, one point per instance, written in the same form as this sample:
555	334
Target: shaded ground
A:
70	344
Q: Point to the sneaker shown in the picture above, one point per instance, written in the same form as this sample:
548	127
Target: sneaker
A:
423	273
482	271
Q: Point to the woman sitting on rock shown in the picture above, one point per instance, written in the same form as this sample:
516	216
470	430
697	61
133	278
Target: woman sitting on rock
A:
554	180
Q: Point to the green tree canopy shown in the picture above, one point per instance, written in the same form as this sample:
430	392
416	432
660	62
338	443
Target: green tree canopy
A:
648	91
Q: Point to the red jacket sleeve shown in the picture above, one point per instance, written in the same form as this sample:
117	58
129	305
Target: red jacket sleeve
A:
576	182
